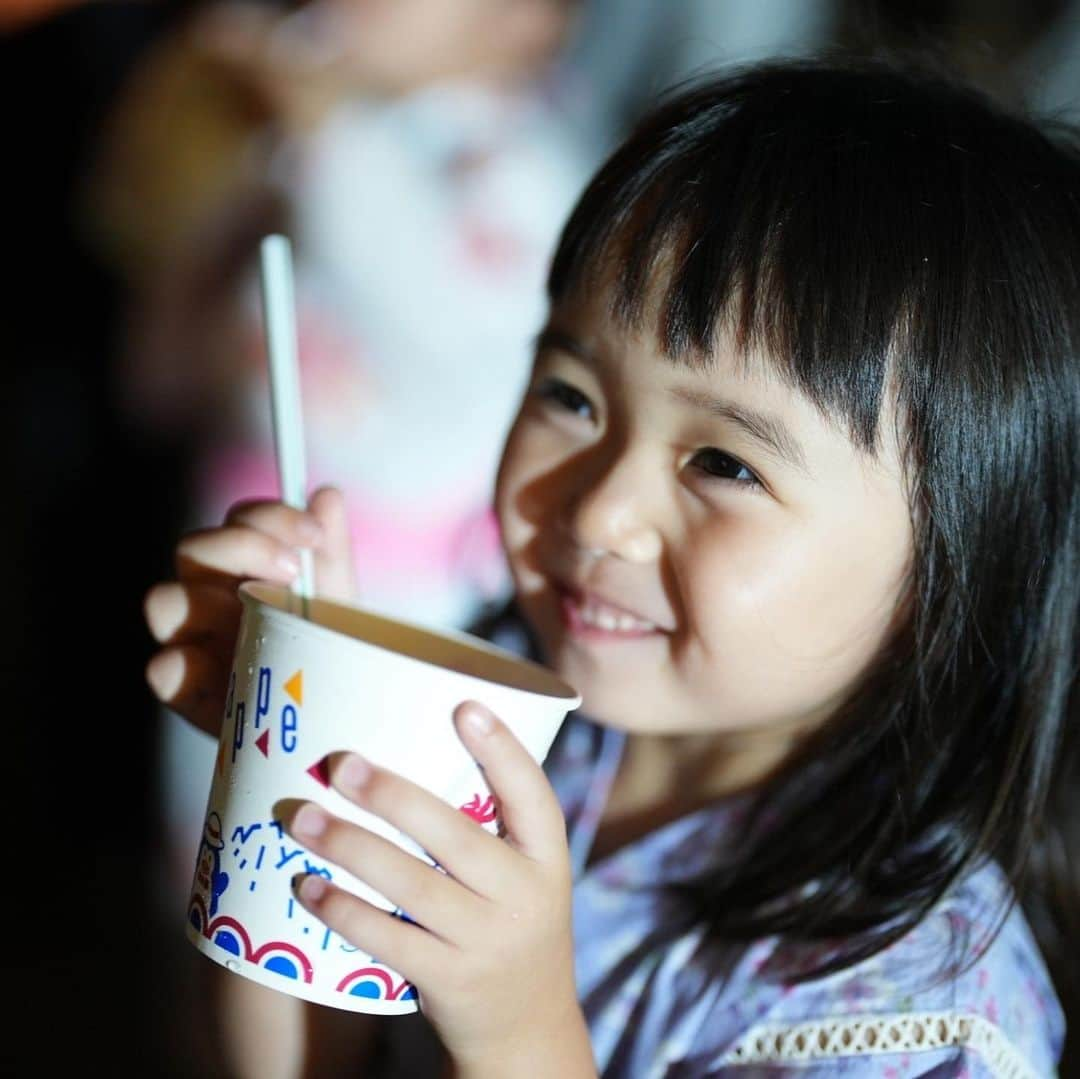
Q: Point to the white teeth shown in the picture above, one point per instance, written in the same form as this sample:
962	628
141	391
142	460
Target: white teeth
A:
606	618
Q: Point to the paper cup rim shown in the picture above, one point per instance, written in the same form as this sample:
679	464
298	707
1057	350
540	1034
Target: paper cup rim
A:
274	600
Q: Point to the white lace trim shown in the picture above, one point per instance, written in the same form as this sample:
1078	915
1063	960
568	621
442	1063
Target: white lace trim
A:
910	1032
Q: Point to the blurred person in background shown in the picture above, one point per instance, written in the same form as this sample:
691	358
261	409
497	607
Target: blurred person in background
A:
421	156
413	151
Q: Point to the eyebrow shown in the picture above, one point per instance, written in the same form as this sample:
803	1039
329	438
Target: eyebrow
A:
768	431
552	340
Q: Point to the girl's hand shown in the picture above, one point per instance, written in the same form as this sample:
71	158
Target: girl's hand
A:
196	617
491	951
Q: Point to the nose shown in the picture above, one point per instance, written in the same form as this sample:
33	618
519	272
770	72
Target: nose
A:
613	510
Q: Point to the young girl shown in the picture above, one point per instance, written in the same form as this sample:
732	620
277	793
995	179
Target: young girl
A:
792	500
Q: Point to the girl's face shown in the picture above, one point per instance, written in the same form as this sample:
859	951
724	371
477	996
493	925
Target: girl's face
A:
697	551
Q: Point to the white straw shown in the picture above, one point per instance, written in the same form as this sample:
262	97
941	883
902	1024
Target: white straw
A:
279	320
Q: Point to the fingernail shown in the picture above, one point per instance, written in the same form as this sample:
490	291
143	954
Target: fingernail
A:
289	563
309	821
167	609
309	886
477	718
165	672
355	771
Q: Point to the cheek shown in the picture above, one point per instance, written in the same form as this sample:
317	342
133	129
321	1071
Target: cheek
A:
786	596
732	578
531	473
523	488
856	569
509	481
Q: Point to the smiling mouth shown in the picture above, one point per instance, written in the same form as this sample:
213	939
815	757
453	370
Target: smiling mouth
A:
586	615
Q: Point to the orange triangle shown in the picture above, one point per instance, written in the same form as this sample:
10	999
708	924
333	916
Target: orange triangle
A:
295	687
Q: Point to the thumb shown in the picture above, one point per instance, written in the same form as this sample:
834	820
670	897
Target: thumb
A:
335	577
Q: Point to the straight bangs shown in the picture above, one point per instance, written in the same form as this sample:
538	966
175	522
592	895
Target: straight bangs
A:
820	225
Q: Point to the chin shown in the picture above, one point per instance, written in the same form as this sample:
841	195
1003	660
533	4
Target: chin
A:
618	706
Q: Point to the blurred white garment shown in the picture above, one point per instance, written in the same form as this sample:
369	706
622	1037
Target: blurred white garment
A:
423	229
423	233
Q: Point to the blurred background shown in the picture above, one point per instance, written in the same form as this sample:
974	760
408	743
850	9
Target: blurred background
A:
149	145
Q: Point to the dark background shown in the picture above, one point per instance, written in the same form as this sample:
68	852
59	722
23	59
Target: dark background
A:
86	531
95	503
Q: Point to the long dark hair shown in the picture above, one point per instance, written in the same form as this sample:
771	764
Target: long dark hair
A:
882	230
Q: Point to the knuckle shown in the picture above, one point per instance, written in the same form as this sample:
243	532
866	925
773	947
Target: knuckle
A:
345	844
269	553
262	545
243	509
378	791
427	886
338	910
334	842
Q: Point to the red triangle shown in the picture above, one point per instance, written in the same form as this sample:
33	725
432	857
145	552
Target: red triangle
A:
320	771
262	742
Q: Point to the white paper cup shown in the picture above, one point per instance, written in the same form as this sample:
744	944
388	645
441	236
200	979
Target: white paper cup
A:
301	688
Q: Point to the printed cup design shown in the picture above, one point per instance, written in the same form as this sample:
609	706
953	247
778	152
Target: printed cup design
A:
300	689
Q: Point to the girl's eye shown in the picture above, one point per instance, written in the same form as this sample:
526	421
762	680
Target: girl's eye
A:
566	397
722	466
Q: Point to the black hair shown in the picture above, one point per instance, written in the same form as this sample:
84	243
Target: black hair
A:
883	230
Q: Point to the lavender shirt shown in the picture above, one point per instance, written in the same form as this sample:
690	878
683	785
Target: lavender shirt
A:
662	1010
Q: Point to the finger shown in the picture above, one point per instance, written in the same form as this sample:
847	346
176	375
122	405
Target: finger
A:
178	613
476	858
406	948
228	555
293	527
334	570
426	894
531	815
192	682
